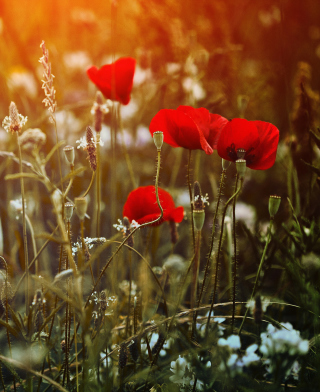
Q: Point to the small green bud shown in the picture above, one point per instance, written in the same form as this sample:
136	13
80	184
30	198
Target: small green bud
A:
81	206
241	165
198	219
158	139
274	204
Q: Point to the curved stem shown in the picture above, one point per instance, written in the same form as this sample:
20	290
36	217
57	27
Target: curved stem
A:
68	187
191	203
258	273
90	185
219	251
25	240
195	271
34	246
98	185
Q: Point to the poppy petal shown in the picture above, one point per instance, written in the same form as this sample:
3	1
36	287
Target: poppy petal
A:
115	80
188	127
141	206
237	133
267	149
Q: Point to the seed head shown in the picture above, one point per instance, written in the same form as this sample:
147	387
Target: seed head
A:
91	149
15	121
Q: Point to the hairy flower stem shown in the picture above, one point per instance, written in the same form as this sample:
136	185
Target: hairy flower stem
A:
234	255
90	185
129	299
195	271
219	251
191	203
195	277
66	374
98	183
59	158
24	226
34	246
258	273
207	268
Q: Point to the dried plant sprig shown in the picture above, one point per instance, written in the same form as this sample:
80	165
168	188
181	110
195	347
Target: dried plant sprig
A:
91	149
15	121
47	82
99	109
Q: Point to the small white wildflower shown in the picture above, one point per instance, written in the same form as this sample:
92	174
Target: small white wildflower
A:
233	342
120	226
83	142
104	108
15	121
205	199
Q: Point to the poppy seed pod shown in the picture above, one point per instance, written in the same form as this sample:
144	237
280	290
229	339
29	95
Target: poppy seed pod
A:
241	165
69	154
274	204
158	139
198	219
68	211
81	207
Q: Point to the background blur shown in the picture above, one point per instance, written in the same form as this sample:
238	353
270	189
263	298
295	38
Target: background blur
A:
245	58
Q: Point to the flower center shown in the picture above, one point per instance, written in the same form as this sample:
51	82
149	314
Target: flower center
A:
240	153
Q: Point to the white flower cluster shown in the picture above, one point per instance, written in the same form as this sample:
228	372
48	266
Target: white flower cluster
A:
265	302
104	108
277	342
120	226
83	142
217	322
236	362
183	376
90	242
205	199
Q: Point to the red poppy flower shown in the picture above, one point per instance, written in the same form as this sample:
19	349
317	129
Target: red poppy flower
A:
195	129
258	139
141	206
115	80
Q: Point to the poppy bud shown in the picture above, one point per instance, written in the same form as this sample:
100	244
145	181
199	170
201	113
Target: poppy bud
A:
69	154
198	202
241	165
81	206
68	211
274	204
158	139
241	152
